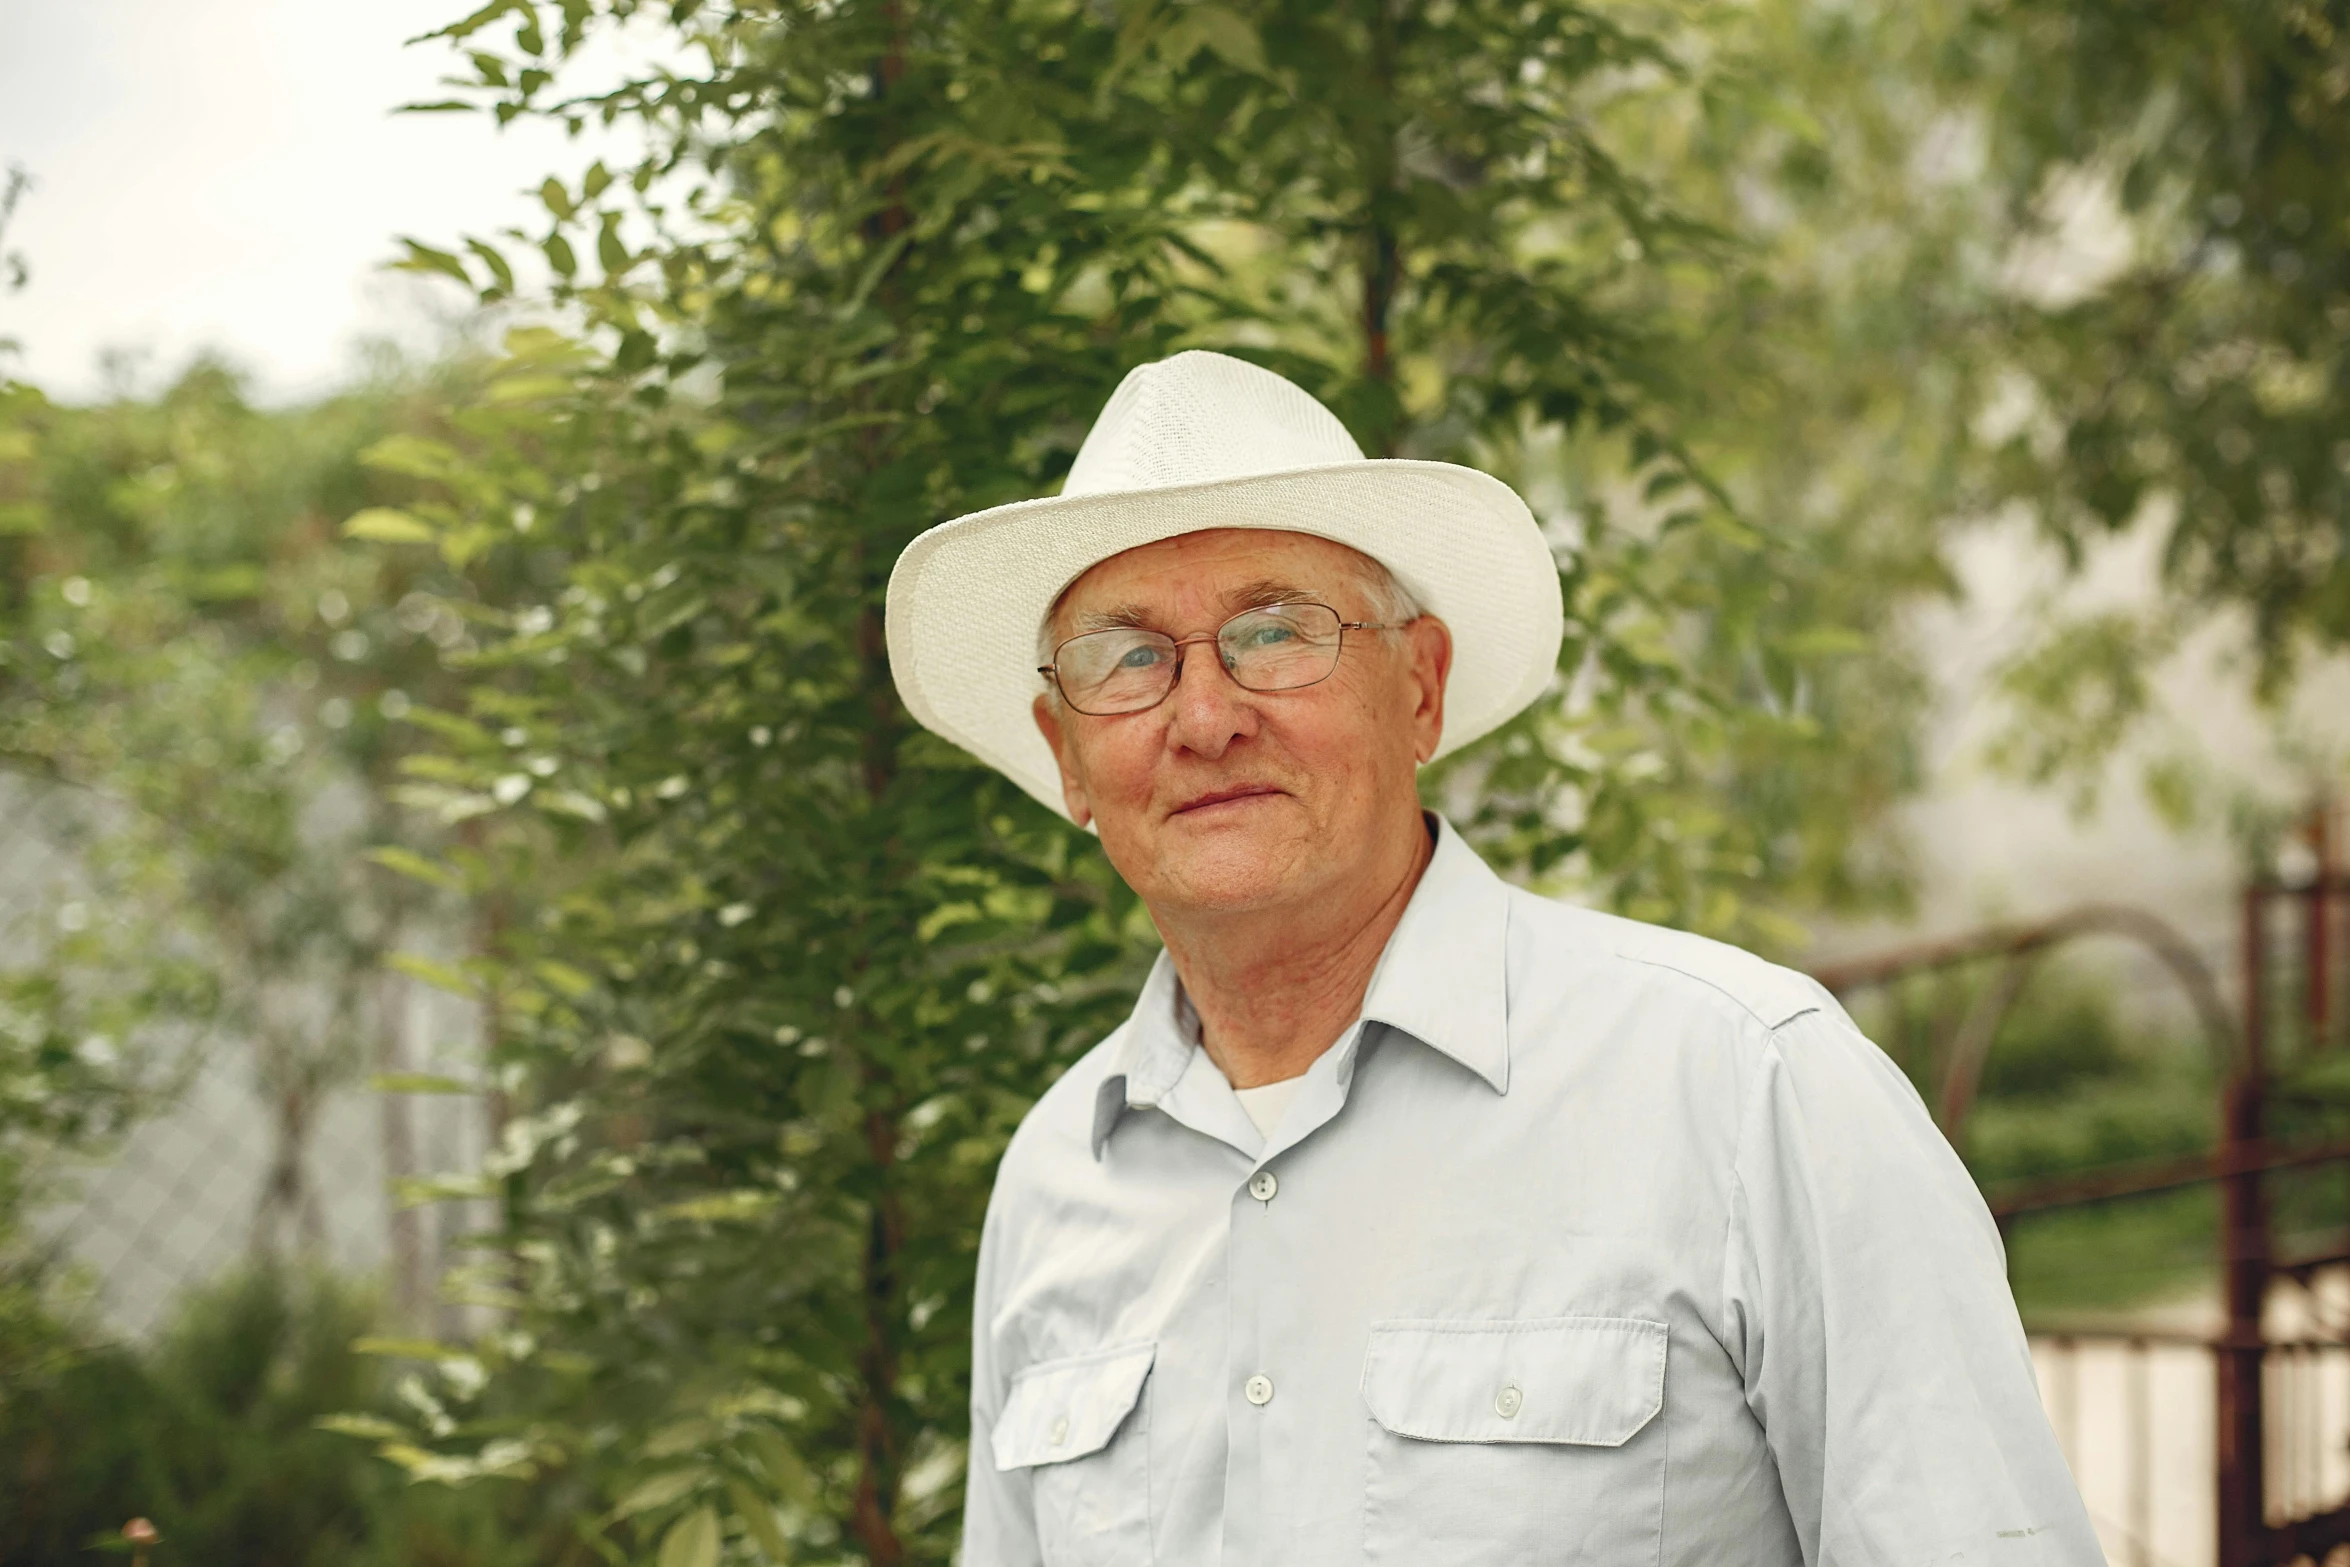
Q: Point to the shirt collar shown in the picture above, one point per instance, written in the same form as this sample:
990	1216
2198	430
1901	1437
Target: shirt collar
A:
1443	979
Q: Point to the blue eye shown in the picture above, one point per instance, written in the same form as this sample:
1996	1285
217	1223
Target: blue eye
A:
1139	657
1270	634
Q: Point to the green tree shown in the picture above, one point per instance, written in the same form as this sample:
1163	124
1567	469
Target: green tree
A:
771	1044
1476	230
2060	259
2206	372
806	966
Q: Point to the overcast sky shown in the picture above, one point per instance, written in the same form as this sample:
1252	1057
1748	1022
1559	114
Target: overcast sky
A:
229	174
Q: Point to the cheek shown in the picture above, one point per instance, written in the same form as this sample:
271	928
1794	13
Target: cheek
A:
1356	735
1116	762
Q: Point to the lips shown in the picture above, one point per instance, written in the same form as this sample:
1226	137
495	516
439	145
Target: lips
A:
1224	797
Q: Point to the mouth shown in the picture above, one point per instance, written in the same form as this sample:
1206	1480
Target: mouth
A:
1224	797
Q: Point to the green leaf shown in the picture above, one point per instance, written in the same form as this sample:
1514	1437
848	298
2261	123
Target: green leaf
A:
227	584
420	1191
413	455
722	1206
439	975
450	727
407	1349
785	1469
386	525
880	262
491	257
407	862
419	1083
1228	34
759	1518
692	1541
529	388
570	802
945	917
572	983
424	258
661	1491
680	1437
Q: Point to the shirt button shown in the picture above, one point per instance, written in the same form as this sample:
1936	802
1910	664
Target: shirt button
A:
1263	1185
1258	1389
1060	1431
1506	1402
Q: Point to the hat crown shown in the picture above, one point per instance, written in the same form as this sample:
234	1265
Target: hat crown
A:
1199	417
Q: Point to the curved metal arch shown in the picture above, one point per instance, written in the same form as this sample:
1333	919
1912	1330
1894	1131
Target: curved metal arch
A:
2022	946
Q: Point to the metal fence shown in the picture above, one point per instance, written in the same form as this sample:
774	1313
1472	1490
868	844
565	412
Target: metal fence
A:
185	1196
2137	1416
2226	1443
209	1180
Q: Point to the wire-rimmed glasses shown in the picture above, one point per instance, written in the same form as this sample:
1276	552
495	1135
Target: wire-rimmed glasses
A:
1126	669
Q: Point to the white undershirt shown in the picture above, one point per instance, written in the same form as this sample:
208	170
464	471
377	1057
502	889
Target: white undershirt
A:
1265	1102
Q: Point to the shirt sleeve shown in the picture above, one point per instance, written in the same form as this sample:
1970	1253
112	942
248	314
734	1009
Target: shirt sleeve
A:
999	1518
1866	1300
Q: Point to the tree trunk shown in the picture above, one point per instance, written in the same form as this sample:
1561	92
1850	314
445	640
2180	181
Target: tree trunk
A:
1381	263
287	1217
397	1126
872	1513
871	1516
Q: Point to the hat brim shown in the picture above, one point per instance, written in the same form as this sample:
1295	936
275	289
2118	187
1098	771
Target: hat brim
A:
967	597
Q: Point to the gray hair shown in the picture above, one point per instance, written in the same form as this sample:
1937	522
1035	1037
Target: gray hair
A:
1392	604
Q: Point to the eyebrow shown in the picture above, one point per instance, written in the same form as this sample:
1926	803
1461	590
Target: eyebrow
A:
1255	595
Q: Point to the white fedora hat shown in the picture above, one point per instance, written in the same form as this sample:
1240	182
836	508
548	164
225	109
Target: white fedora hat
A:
1201	441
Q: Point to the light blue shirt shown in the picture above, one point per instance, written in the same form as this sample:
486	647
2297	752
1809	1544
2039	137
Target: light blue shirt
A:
1590	1243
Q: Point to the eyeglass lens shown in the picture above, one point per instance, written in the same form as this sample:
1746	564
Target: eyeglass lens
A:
1125	670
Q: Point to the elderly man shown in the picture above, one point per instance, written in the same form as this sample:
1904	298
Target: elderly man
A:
1412	1218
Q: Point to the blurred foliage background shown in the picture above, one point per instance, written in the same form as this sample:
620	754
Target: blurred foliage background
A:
552	674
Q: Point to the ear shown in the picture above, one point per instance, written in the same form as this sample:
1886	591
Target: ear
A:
1428	646
1048	724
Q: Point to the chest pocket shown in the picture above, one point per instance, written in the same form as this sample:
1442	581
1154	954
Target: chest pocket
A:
1521	1442
1080	1425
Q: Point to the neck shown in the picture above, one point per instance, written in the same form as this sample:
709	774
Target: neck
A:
1275	988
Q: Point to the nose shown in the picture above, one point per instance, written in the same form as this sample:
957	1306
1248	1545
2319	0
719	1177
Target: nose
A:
1208	709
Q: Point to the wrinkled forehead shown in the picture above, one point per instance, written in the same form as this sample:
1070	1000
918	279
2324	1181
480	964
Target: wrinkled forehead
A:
1212	573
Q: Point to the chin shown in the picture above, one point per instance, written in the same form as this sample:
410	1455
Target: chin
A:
1233	872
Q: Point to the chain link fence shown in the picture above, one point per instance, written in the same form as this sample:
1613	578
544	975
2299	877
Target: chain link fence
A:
225	1167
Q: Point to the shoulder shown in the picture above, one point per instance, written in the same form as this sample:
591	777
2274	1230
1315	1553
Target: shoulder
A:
1729	1028
1664	965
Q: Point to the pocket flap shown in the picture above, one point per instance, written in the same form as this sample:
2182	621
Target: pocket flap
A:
1590	1381
1063	1409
